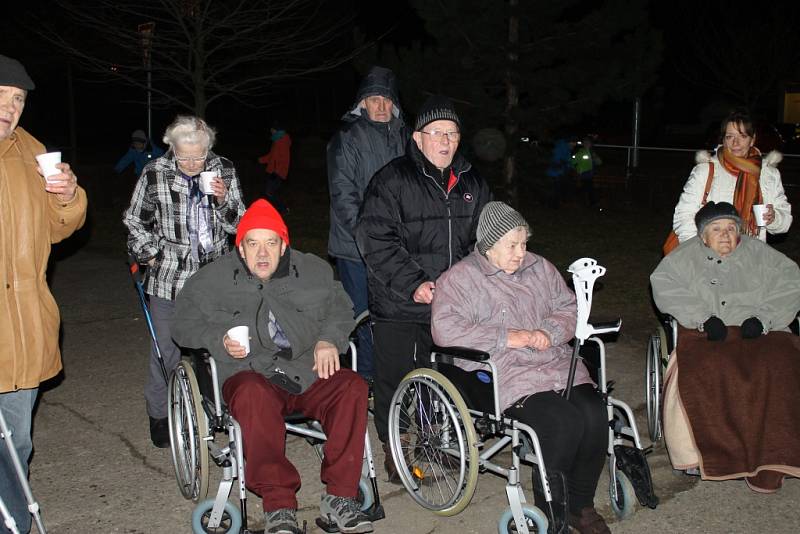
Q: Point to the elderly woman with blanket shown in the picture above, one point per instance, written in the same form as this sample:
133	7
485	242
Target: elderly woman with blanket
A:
516	306
733	410
736	174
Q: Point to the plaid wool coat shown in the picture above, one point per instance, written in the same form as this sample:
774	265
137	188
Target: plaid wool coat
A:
157	222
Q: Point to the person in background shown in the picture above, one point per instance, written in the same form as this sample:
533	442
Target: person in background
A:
560	168
739	175
373	134
35	214
174	229
137	154
277	165
585	160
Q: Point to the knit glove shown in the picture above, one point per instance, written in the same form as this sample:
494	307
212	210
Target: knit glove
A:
752	328
715	329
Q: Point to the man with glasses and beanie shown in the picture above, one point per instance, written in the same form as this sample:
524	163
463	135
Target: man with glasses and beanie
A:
174	229
419	217
34	214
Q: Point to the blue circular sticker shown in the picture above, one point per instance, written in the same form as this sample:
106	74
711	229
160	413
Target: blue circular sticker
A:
484	377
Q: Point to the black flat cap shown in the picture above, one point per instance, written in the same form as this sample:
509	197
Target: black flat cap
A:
13	74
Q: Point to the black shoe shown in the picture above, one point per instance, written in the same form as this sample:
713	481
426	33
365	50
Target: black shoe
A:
159	432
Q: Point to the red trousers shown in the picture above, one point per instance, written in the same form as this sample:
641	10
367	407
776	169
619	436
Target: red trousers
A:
338	403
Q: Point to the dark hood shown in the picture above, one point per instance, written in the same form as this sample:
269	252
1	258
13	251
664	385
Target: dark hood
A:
378	81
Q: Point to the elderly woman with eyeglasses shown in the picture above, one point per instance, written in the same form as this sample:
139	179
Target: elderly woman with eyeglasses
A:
175	228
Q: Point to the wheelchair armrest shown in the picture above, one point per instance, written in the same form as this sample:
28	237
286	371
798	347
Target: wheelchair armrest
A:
462	353
601	327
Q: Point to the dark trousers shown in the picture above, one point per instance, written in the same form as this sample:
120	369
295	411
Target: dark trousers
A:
353	275
586	184
399	348
155	389
338	403
272	184
573	435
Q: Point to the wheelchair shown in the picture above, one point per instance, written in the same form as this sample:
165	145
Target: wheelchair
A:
445	426
659	348
197	415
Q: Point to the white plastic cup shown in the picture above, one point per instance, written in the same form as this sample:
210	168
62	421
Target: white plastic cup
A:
205	182
759	211
241	334
48	162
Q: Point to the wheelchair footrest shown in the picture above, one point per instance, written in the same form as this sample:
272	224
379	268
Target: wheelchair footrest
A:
633	463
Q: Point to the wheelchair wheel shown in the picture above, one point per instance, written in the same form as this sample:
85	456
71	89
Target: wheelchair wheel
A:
188	428
656	356
624	503
535	519
230	522
433	442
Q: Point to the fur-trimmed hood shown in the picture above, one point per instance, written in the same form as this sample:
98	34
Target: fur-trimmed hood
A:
771	159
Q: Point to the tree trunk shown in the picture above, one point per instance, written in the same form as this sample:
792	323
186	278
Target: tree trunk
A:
512	101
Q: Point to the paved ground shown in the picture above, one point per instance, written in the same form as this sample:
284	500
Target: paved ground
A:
95	471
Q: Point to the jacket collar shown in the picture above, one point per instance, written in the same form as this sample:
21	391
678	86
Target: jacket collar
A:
487	269
459	164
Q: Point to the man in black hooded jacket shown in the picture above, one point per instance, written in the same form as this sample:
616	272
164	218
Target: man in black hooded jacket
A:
373	134
419	217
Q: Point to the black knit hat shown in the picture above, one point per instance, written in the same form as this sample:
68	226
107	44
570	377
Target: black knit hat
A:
495	221
436	108
713	211
13	74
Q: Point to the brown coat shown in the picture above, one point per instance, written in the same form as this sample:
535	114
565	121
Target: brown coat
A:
31	219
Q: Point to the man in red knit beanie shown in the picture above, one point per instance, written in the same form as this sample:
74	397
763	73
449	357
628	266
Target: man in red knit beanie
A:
299	320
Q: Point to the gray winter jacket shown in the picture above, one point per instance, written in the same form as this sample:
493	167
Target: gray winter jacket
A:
355	153
693	283
308	304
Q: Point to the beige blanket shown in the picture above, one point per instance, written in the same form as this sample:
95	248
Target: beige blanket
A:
733	410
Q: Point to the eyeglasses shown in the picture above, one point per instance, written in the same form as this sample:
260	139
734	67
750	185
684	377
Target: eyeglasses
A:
200	159
438	135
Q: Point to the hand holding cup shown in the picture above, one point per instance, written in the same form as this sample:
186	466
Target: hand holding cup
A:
58	176
237	341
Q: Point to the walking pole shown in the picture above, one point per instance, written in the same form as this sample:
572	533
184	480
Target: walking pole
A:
33	506
136	276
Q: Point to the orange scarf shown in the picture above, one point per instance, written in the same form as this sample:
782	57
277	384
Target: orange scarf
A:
748	189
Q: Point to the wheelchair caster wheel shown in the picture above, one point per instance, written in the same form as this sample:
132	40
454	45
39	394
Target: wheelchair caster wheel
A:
229	523
365	495
624	504
535	521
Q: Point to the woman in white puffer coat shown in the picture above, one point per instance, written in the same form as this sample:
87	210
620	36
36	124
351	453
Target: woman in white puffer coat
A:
739	175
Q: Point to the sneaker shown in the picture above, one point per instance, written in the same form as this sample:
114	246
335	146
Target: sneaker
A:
345	513
159	432
281	521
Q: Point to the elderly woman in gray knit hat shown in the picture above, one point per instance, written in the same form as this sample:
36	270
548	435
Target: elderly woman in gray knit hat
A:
515	305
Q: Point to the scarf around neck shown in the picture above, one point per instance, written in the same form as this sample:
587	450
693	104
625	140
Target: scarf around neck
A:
748	188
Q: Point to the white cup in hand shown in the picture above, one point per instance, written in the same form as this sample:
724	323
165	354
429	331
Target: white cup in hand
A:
241	334
205	182
760	211
48	162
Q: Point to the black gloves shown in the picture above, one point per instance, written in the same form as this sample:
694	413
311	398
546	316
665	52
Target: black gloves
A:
715	329
751	328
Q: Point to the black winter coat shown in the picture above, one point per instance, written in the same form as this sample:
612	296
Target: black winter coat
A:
359	149
410	230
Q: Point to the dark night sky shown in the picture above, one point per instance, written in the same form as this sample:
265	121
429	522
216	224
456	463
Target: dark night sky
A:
107	114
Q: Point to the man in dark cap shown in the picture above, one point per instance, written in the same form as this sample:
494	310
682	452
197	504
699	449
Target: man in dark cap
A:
35	213
373	135
419	217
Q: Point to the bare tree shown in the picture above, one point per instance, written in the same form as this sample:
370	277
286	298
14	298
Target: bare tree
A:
203	50
744	58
